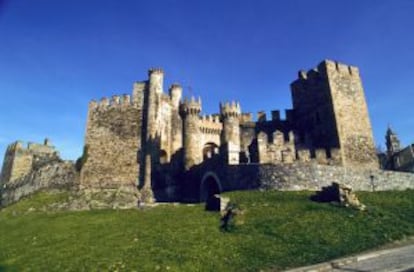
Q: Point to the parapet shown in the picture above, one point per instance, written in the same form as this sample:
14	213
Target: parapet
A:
275	115
155	71
246	117
191	107
327	66
335	66
261	116
20	147
290	115
211	124
114	101
230	109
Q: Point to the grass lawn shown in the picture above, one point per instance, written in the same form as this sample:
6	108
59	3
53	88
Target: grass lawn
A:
276	230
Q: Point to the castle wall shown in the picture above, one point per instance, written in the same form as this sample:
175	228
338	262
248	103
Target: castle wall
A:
313	176
112	142
210	130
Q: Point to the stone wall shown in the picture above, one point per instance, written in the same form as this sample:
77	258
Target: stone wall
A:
312	176
55	175
112	142
351	114
20	159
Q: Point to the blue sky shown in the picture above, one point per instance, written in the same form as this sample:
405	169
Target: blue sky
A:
56	55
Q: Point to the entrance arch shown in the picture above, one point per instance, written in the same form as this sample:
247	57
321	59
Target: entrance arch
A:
210	186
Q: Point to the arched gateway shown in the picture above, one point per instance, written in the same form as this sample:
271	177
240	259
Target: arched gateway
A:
210	186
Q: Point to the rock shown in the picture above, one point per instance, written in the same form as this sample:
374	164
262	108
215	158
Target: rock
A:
217	203
339	193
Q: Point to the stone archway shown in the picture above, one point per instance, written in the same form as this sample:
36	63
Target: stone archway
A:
210	186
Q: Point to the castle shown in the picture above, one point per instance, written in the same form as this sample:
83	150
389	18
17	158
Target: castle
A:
161	143
153	137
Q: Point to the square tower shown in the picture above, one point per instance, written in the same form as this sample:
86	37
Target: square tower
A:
331	112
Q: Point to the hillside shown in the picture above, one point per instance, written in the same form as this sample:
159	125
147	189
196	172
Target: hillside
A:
275	230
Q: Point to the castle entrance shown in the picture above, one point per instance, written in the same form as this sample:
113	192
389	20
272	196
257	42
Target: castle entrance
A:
210	186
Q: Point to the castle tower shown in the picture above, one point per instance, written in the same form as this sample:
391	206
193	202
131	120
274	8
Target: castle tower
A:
392	142
155	87
150	146
176	124
190	112
230	113
330	111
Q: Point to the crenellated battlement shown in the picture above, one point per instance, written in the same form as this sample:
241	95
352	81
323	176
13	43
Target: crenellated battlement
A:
155	71
230	109
335	66
246	117
211	124
190	107
21	158
328	66
115	101
20	146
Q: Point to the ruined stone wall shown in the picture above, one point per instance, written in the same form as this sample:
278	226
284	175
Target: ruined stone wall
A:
112	142
57	175
20	160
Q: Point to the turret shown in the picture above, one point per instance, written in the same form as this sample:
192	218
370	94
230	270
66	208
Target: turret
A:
156	80
150	147
176	92
176	123
230	113
190	112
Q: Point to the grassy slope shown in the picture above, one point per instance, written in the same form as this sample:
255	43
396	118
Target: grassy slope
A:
277	229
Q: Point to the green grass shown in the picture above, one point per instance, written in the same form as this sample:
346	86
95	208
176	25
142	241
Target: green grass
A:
276	230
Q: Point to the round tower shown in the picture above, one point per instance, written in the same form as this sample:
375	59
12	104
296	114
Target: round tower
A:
190	112
230	113
176	92
156	80
176	122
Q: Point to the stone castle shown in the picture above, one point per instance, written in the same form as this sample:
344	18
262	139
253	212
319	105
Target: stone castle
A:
161	143
152	134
